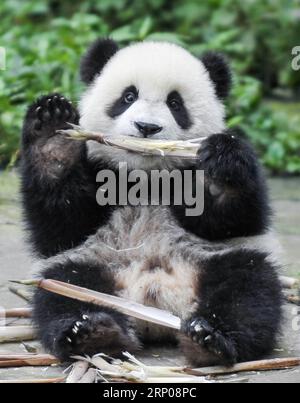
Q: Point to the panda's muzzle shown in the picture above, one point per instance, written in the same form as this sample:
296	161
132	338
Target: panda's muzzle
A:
147	129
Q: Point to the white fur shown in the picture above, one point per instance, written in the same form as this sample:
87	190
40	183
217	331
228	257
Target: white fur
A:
156	69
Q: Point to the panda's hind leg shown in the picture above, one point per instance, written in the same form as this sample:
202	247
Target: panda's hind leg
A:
68	327
239	313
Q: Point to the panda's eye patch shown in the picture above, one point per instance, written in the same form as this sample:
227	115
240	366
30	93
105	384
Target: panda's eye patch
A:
177	107
127	98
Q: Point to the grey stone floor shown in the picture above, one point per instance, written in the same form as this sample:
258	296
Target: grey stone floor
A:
15	263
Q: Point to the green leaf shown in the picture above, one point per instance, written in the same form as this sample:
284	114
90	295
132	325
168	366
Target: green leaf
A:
124	34
166	37
145	28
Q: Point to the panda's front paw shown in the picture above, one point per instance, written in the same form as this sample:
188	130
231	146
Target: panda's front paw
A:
227	160
204	335
47	115
93	334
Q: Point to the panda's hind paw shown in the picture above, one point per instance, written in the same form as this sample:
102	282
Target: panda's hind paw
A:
94	333
203	334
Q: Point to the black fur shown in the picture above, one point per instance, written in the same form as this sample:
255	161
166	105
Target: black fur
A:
219	72
236	196
96	58
240	310
179	110
99	329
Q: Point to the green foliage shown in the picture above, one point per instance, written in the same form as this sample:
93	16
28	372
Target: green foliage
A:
45	39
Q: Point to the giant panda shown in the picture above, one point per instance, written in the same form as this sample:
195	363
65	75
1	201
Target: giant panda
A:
216	271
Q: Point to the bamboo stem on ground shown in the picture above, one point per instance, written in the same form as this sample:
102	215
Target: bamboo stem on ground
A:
18	313
264	365
10	334
27	360
33	381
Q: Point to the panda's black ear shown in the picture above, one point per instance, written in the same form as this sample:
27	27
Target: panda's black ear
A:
219	71
96	58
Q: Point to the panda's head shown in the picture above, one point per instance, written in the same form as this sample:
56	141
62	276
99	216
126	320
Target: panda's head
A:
154	90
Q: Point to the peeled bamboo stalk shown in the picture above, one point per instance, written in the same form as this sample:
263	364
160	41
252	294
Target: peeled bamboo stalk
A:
33	381
27	360
264	365
289	282
125	306
18	313
16	333
162	148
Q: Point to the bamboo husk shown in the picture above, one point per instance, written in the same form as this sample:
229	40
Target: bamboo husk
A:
79	369
89	377
139	311
33	381
133	371
27	360
163	148
16	333
264	365
18	313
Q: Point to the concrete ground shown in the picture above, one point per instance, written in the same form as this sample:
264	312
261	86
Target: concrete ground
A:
15	263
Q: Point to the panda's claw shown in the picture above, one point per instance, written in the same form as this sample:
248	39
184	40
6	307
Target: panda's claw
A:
90	334
203	334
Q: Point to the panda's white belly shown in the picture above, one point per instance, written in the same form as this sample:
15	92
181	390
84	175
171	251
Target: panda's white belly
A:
148	268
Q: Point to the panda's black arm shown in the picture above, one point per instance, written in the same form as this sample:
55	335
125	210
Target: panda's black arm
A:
236	200
58	184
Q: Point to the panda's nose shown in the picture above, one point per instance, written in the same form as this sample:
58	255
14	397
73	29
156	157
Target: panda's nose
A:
147	129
